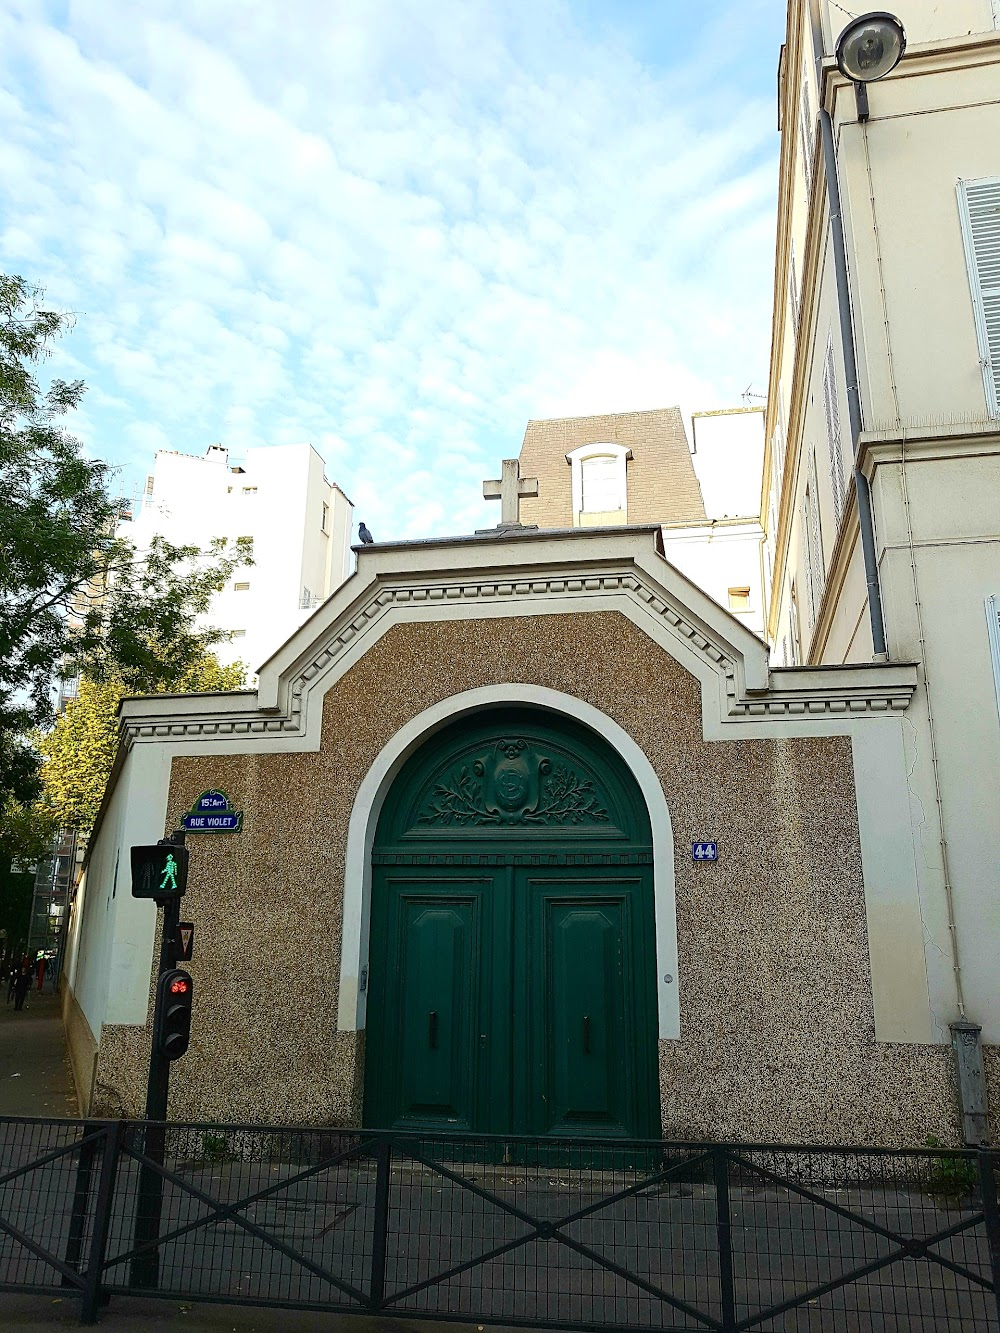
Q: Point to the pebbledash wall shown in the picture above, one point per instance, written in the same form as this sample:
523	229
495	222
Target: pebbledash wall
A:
798	1006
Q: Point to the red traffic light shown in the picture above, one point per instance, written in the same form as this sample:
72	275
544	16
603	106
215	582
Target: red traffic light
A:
172	1017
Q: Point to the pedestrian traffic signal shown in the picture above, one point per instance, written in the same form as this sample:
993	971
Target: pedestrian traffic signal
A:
173	1013
160	871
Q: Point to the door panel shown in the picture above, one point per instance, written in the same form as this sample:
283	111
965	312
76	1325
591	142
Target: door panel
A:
426	1006
584	1013
588	976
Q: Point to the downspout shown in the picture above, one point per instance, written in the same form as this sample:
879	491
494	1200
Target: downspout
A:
861	489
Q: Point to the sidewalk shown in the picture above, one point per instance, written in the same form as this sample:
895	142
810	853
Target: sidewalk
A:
127	1314
35	1077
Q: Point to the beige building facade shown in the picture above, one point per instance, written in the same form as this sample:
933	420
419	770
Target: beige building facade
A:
919	187
789	997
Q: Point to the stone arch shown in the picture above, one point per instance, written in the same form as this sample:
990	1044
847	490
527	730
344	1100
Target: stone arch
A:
374	788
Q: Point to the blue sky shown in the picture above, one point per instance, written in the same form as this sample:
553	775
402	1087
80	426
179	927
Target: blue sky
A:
392	228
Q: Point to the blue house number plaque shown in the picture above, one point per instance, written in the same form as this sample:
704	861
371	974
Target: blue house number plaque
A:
704	851
212	813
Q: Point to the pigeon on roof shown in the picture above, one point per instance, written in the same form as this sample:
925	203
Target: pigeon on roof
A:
365	535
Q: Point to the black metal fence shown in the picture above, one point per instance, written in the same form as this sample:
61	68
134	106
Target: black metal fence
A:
539	1232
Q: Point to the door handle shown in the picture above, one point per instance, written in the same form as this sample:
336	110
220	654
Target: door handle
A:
586	1034
432	1035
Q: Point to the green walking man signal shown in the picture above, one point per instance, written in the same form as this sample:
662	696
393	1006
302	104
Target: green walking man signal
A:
169	880
160	871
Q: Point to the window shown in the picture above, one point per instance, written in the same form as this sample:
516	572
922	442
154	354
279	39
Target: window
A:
831	409
979	210
739	599
599	483
249	490
239	633
241	587
326	518
601	492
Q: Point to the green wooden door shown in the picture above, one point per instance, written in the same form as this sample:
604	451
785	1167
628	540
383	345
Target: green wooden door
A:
512	967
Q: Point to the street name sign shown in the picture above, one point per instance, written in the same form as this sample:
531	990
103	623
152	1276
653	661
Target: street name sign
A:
212	813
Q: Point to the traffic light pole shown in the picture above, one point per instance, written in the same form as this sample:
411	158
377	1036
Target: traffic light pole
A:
146	1266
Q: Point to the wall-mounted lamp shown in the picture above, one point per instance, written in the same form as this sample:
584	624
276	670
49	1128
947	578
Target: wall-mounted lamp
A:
869	48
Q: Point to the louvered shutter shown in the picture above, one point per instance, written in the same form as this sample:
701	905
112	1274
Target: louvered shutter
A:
793	291
806	135
813	543
979	209
993	629
832	410
807	564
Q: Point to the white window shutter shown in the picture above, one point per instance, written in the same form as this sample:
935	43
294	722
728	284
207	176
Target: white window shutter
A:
993	629
601	485
806	135
979	210
793	291
812	543
831	408
807	564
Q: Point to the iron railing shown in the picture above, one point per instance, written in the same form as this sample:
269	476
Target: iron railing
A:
537	1232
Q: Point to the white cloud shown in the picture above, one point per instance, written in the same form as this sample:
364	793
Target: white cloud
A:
393	229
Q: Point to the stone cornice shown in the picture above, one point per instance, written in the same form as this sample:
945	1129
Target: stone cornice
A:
927	444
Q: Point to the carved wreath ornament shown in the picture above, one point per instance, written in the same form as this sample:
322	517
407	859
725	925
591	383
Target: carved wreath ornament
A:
511	784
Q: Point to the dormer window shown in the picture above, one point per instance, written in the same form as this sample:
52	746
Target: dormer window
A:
600	493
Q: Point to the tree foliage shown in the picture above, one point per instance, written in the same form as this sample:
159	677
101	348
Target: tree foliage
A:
80	749
73	596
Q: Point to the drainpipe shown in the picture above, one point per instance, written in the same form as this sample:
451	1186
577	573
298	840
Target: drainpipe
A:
861	488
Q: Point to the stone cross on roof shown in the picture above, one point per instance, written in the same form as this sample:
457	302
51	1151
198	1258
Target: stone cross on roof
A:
510	490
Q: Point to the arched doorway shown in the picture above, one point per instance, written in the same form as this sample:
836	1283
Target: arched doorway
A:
512	983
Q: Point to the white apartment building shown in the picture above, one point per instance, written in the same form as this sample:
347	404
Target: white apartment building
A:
919	190
299	521
724	556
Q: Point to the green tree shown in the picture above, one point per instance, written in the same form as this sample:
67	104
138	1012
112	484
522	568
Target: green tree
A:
73	597
26	833
80	749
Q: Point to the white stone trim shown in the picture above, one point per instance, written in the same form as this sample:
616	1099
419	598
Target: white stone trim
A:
379	778
737	687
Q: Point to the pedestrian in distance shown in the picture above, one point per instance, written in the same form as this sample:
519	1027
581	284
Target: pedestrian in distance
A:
21	987
11	983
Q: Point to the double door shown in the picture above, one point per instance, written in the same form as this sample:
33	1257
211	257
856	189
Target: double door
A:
513	1000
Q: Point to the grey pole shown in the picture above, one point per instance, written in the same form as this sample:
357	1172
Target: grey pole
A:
861	488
